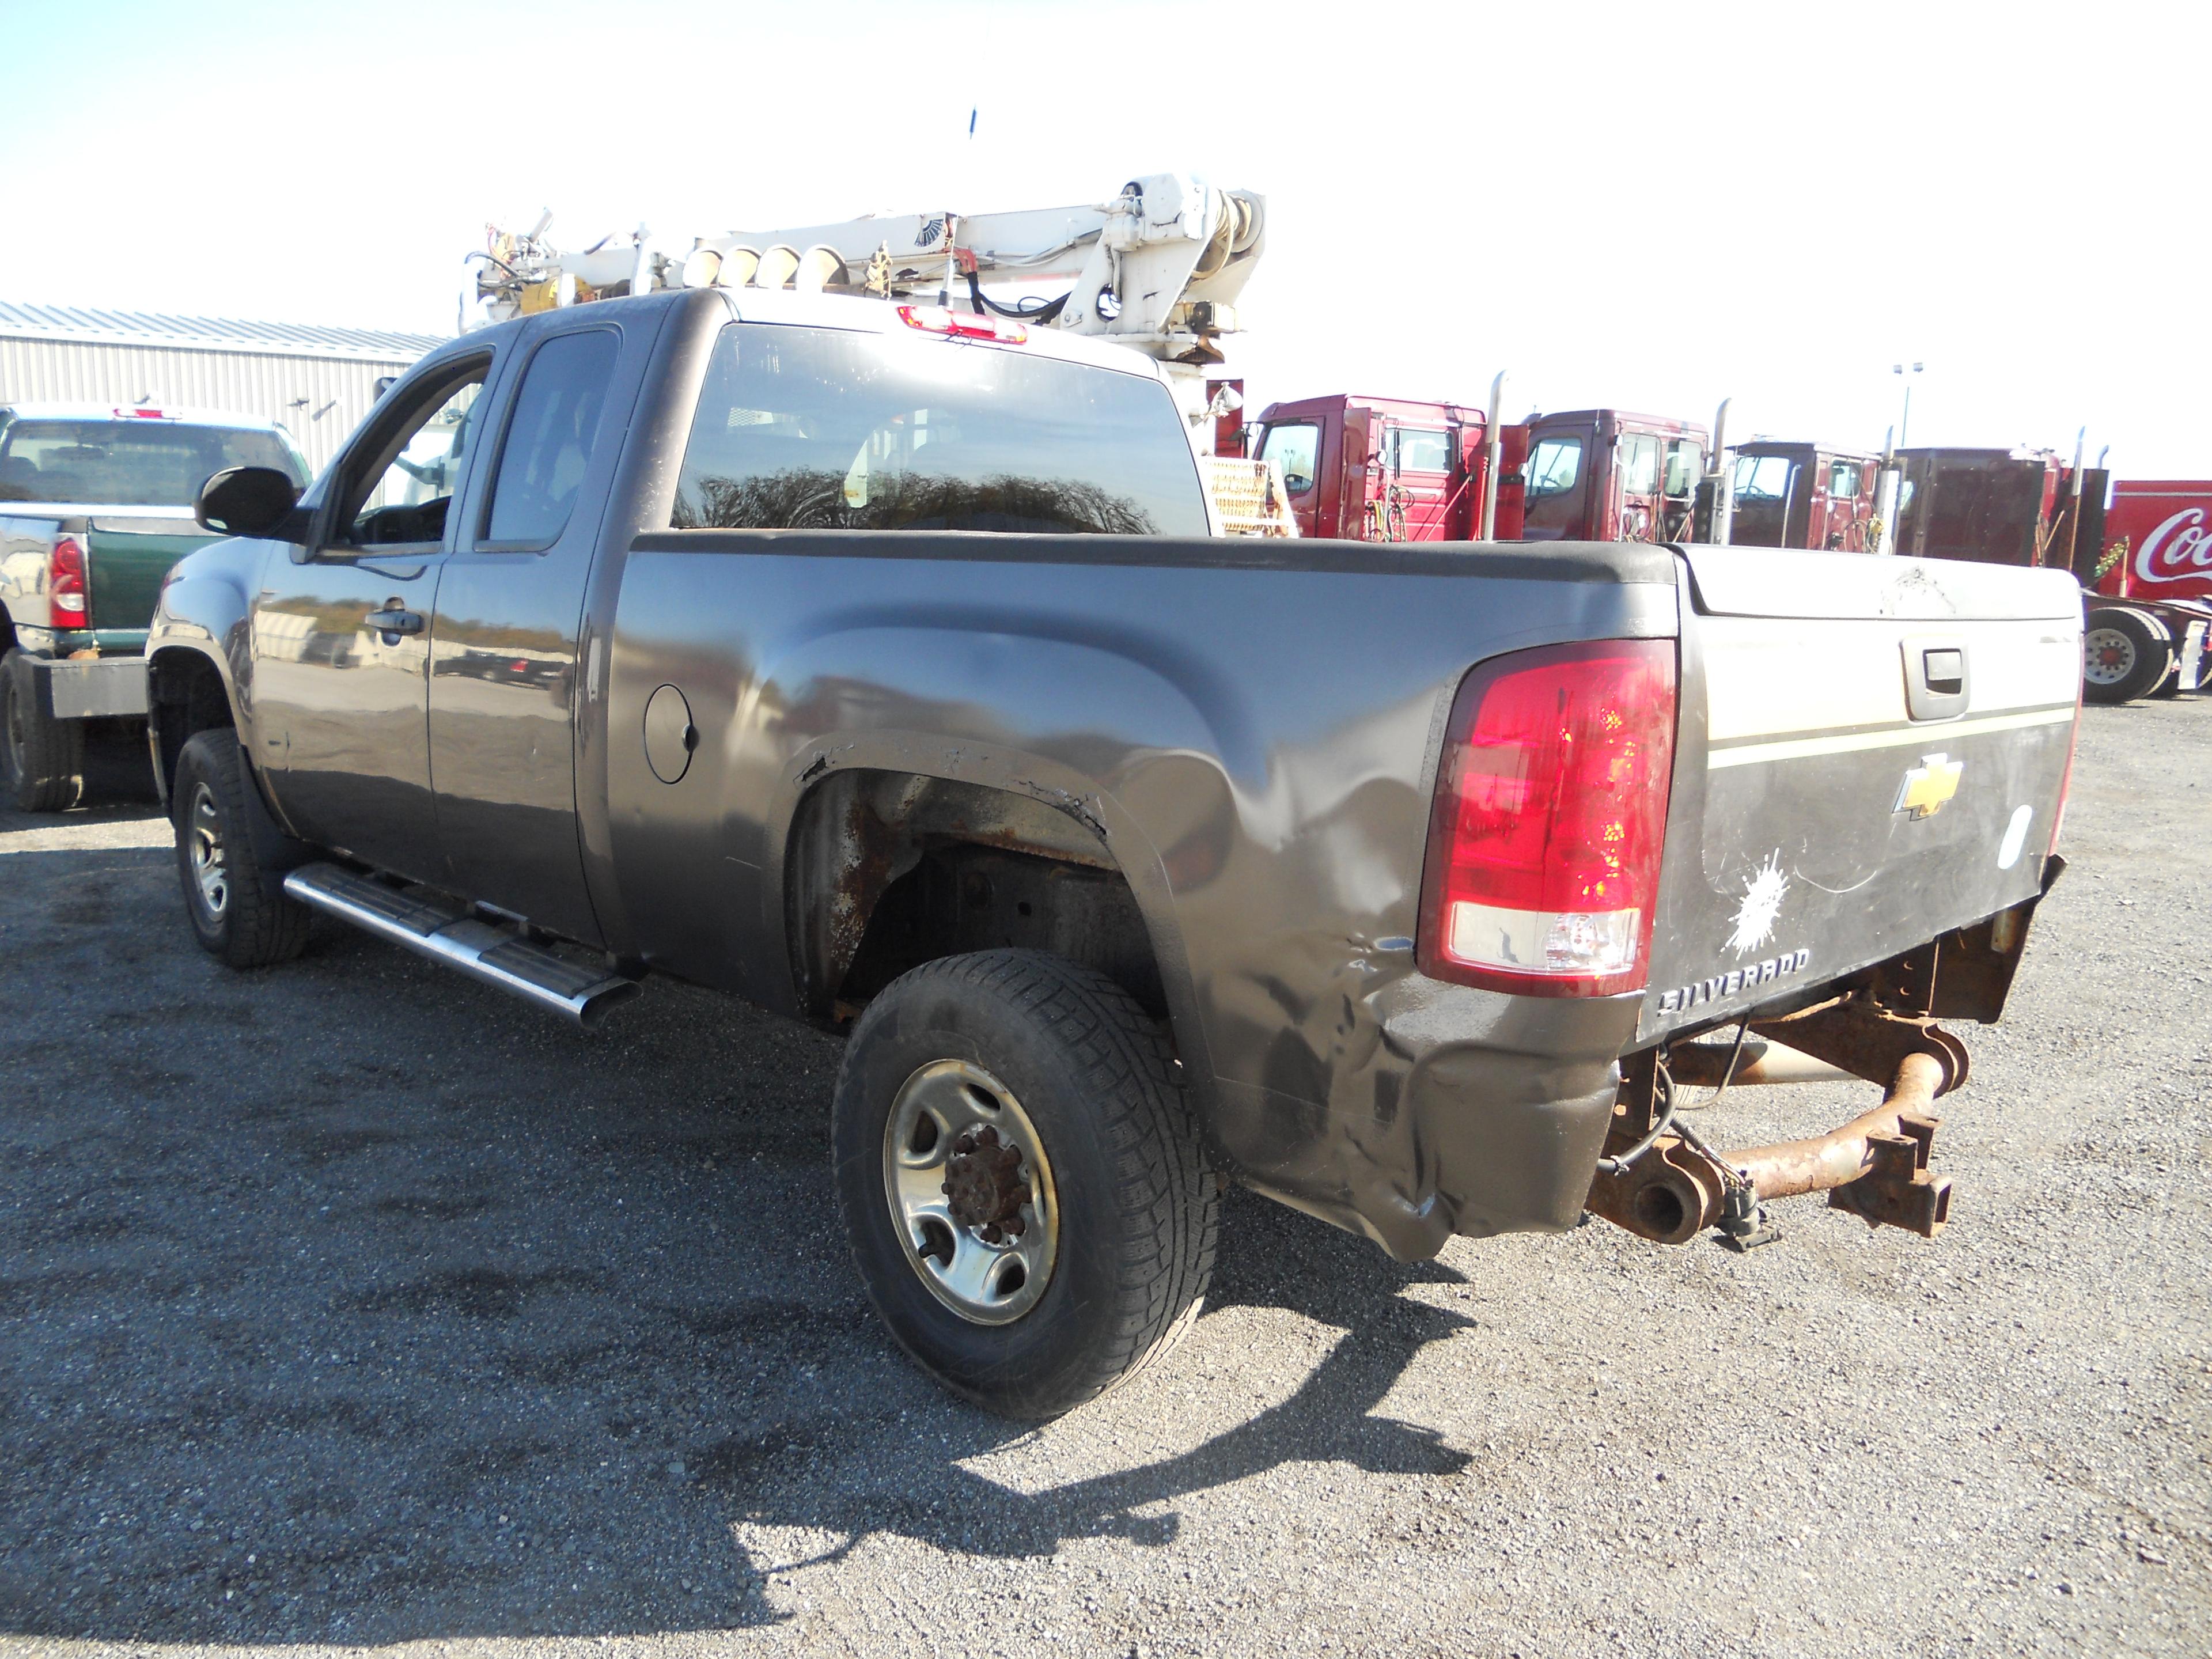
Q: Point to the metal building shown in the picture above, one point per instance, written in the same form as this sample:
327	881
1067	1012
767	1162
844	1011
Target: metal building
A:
318	382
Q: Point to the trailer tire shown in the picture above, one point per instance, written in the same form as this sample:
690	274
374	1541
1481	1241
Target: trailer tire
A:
232	858
2125	655
41	758
1104	1229
2170	686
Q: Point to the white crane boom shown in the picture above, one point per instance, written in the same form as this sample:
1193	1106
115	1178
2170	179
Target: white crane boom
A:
1159	268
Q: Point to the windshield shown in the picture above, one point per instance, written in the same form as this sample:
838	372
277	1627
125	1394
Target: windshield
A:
130	463
813	429
1762	478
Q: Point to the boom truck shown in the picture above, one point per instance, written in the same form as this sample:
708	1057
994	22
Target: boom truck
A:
1158	268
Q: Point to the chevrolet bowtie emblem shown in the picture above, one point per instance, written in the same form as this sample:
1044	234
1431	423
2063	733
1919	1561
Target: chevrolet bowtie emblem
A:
1929	784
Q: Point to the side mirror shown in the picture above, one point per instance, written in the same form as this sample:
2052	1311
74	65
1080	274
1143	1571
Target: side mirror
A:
250	501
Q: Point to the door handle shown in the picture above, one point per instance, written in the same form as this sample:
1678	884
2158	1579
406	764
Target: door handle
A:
392	623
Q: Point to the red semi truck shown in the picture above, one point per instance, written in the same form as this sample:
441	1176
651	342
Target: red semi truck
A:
1384	468
2148	614
1804	495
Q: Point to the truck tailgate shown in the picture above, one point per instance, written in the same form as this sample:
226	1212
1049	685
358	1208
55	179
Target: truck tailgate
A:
129	555
1872	752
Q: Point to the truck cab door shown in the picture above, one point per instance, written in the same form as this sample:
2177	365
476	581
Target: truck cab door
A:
1295	447
1556	486
1638	509
341	631
505	643
1685	464
1417	482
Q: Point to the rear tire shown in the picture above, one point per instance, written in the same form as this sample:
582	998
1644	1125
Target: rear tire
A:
231	858
41	758
2125	656
1110	1204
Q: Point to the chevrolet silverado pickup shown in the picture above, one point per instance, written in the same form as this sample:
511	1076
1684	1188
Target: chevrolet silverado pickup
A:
881	665
95	506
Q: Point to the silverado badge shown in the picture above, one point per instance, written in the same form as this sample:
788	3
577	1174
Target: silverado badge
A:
1929	784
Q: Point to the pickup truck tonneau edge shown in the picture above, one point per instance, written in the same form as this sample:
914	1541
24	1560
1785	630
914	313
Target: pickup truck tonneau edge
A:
1387	881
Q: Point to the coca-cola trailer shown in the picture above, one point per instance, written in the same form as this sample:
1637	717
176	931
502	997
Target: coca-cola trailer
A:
2144	635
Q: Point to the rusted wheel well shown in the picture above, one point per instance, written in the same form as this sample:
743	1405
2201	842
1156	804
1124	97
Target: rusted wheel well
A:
185	694
885	870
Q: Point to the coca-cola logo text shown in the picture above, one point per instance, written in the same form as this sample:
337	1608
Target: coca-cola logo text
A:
2176	549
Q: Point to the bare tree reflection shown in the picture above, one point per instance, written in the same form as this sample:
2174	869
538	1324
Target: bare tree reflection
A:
813	498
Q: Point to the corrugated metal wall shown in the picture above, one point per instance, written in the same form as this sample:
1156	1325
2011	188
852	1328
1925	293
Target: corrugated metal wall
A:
320	401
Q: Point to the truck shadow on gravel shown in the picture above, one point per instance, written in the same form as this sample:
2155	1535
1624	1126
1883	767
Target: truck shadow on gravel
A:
1272	1259
433	1320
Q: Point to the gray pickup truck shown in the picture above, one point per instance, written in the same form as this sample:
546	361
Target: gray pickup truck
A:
877	664
95	506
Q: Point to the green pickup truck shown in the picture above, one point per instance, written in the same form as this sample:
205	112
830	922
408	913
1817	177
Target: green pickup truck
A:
94	508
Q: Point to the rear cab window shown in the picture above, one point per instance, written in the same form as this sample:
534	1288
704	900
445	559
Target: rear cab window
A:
816	428
131	463
1419	449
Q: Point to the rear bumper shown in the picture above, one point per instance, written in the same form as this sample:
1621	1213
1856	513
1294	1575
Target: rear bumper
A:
90	688
1454	1111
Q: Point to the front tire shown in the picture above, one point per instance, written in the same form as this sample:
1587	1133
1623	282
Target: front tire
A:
41	758
1025	1194
231	858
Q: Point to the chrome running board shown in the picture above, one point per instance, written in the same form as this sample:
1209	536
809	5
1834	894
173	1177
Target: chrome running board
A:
584	994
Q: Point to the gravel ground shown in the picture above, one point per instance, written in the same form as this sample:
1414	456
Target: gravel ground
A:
349	1305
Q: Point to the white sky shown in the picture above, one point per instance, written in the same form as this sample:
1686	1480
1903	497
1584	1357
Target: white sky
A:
1649	207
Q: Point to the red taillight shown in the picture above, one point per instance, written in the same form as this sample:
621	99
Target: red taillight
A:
1551	807
962	324
140	412
69	603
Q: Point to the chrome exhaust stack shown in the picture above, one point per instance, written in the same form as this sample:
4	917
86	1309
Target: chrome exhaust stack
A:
582	995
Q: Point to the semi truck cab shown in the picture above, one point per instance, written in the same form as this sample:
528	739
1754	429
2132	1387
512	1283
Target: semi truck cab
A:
1379	469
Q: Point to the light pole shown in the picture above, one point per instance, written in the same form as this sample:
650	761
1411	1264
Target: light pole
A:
1905	420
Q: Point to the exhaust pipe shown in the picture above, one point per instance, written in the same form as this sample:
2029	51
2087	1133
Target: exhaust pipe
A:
583	995
1494	448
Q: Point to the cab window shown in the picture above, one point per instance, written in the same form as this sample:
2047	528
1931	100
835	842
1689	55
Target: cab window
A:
550	438
816	428
1843	478
1639	463
1416	449
1555	466
1295	448
1762	478
1686	460
397	486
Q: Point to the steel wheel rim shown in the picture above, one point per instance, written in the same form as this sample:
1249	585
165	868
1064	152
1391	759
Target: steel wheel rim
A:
983	1281
2094	664
204	845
